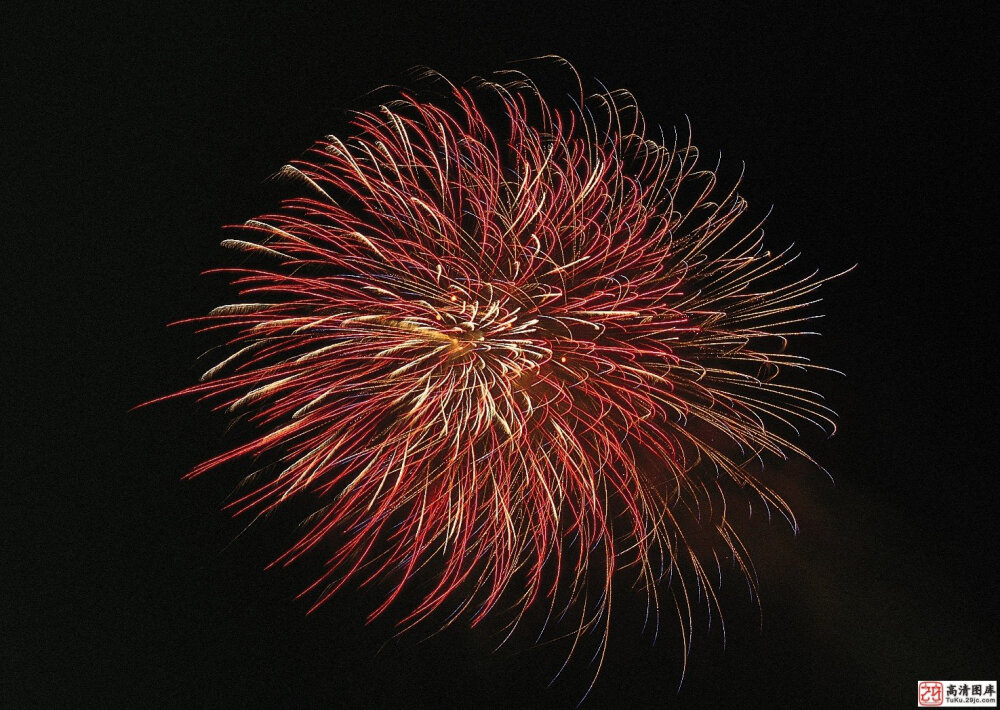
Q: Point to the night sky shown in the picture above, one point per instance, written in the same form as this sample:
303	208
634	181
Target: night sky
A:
131	136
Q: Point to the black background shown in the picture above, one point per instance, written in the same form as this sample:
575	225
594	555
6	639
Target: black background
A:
132	135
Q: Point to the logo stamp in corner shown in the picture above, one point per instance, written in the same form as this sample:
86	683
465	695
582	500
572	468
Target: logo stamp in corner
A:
956	693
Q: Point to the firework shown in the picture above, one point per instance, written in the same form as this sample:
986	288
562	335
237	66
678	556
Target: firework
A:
510	348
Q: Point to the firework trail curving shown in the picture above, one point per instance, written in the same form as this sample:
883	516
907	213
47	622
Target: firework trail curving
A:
512	348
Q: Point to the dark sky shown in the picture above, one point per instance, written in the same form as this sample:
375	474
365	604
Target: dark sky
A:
133	135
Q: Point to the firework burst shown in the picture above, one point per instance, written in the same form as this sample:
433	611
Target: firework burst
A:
509	348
